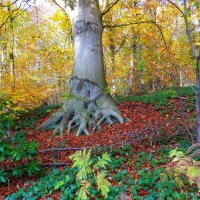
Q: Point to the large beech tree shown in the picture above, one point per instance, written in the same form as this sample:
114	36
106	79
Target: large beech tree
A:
89	103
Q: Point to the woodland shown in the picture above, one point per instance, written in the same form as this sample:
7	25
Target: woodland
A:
99	99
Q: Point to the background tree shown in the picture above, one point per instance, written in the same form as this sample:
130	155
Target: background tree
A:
190	8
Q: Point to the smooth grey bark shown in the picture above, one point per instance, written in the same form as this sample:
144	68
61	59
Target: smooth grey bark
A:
87	29
89	104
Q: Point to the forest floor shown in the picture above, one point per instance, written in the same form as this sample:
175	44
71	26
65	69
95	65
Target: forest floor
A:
155	124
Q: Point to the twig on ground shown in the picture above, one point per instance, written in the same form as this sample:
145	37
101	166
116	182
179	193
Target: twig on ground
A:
61	149
55	164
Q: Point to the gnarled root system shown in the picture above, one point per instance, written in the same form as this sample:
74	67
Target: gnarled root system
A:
87	107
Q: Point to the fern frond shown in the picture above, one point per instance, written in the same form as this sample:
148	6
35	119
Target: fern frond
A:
192	173
82	194
103	184
84	172
87	165
186	165
81	159
176	153
106	157
104	161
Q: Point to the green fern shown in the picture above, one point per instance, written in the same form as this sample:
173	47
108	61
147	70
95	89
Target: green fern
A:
82	194
103	184
184	165
104	161
89	166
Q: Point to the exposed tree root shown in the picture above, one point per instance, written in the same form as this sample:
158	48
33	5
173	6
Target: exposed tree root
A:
87	107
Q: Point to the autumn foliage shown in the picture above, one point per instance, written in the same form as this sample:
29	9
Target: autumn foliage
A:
149	70
145	49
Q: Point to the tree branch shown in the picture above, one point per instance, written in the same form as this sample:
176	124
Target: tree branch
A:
5	21
55	164
21	12
59	149
176	7
188	31
4	6
63	9
122	43
108	7
135	23
187	27
14	10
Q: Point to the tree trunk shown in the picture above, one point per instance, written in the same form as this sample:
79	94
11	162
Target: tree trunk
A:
87	30
89	104
11	57
198	95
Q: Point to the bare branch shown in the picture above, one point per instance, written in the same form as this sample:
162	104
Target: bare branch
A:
55	164
4	6
63	9
109	6
135	23
176	7
4	22
14	10
21	12
20	5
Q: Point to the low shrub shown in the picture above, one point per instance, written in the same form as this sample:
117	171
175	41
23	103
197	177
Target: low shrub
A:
14	146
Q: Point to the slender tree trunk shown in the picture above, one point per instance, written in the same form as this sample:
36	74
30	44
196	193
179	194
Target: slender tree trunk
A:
1	70
11	52
181	83
142	85
196	54
133	66
3	61
131	74
198	96
112	55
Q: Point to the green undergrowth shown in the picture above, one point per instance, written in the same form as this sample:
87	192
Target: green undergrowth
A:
69	186
160	98
153	181
28	118
181	138
15	147
123	171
